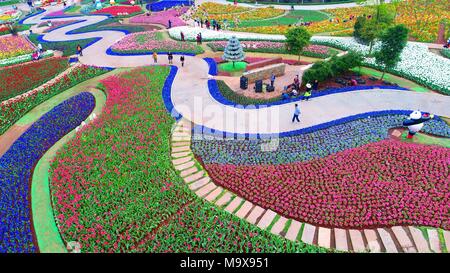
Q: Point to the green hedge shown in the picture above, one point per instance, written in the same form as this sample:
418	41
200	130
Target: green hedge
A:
324	70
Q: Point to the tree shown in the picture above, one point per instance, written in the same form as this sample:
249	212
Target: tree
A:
370	29
357	28
393	41
233	51
297	39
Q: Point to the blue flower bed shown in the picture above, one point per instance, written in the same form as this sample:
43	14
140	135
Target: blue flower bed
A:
307	146
17	164
166	94
212	66
167	4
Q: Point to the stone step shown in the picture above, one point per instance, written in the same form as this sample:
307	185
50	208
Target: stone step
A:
324	239
403	239
308	233
194	177
199	183
372	240
293	230
434	240
340	237
267	219
188	171
181	160
224	199
419	240
234	204
181	149
181	138
246	207
203	191
255	214
184	165
212	196
357	240
387	240
181	154
279	225
182	143
447	240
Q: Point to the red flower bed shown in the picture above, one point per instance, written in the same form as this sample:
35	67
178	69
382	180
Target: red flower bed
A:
119	10
21	78
377	185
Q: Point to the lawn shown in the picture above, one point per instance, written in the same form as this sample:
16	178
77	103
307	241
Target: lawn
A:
228	66
291	18
118	192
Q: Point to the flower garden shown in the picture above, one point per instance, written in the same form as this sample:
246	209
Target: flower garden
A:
161	18
13	46
136	178
153	211
151	41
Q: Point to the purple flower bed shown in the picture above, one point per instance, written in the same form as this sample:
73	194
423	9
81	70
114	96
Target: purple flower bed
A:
307	146
17	164
161	18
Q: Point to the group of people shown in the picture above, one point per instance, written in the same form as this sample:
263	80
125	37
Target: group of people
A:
213	24
293	90
169	57
37	53
306	96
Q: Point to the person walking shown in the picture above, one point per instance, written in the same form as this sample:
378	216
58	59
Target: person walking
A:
79	50
182	36
40	47
170	24
170	57
272	79
182	60
201	38
155	57
198	39
296	114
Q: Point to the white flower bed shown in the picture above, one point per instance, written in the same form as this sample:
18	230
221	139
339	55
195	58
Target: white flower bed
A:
23	58
416	62
190	33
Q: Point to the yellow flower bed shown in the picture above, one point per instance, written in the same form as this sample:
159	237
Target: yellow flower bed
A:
12	46
423	24
214	8
229	12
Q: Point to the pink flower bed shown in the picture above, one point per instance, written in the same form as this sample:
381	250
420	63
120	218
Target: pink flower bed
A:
161	18
380	184
119	10
147	41
318	51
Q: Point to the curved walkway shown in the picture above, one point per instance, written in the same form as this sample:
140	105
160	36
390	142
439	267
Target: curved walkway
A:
393	240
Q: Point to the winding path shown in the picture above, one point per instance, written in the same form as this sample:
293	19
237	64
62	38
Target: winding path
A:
191	97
